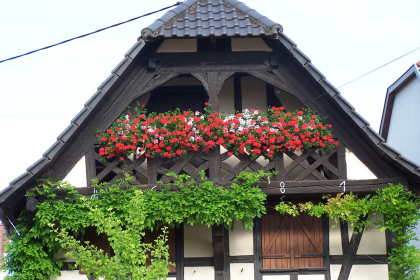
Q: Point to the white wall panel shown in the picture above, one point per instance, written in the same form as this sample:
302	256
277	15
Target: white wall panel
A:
241	271
178	46
276	277
197	241
77	176
70	275
199	273
373	241
253	94
335	271
312	277
335	238
241	240
249	44
369	272
227	96
356	170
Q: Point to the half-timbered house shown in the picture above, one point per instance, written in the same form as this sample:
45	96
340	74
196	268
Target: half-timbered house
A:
226	53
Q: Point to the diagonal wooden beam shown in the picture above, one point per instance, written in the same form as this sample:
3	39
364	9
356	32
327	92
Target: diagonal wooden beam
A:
351	255
317	163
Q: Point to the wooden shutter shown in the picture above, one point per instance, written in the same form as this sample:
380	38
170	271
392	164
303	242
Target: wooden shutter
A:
291	242
151	236
98	240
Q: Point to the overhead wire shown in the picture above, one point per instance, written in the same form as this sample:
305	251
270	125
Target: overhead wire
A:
90	33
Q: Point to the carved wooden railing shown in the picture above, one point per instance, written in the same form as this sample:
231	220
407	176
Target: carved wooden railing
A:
311	164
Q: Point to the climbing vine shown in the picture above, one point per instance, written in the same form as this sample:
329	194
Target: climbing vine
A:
400	210
64	214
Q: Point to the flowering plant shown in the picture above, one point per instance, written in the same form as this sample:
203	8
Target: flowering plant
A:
251	132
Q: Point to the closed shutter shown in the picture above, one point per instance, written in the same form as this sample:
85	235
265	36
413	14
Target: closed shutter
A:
151	236
98	240
291	242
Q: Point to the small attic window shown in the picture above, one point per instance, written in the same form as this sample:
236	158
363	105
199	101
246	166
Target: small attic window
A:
214	45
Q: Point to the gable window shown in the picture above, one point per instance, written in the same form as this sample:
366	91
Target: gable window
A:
214	45
291	242
185	98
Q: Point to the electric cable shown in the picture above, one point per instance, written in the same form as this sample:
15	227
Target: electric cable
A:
87	34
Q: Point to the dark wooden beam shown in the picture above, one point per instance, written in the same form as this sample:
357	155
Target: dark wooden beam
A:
352	248
291	187
344	230
237	92
257	249
362	259
326	245
218	248
90	163
179	252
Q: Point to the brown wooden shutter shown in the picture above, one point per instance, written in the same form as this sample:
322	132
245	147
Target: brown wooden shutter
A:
291	242
98	240
151	236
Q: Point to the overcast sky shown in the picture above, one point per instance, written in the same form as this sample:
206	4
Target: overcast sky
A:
42	92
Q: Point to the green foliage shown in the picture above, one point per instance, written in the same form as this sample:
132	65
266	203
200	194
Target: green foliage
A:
400	210
123	214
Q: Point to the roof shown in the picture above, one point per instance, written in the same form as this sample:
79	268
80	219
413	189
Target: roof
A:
211	18
232	16
412	72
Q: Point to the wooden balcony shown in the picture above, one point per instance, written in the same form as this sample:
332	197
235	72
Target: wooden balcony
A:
312	164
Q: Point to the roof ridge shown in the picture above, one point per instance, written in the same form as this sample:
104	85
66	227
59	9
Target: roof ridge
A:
268	26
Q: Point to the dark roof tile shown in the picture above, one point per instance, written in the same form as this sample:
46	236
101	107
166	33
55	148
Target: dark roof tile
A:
122	66
135	49
53	150
343	103
94	99
411	166
67	133
391	152
329	88
81	116
361	122
303	59
373	135
286	41
38	165
314	71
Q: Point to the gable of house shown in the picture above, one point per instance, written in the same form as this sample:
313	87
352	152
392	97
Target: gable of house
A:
226	53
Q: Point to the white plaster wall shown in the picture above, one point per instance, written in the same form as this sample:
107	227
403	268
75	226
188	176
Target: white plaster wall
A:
241	240
373	241
312	277
77	176
249	44
241	271
335	271
253	94
405	116
70	275
2	274
199	273
369	272
290	102
276	277
226	97
335	238
178	46
197	241
356	170
183	81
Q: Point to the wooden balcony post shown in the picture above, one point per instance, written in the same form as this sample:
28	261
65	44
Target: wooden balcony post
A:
152	170
214	165
279	158
341	161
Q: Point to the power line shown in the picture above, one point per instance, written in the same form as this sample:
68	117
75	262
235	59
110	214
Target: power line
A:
367	73
87	34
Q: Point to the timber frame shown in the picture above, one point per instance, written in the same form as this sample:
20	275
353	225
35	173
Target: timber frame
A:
286	68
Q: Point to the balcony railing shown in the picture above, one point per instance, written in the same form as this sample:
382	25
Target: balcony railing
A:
218	166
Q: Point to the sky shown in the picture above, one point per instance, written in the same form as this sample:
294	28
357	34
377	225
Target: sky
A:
42	92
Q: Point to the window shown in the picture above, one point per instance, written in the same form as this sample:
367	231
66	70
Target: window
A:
291	242
185	98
